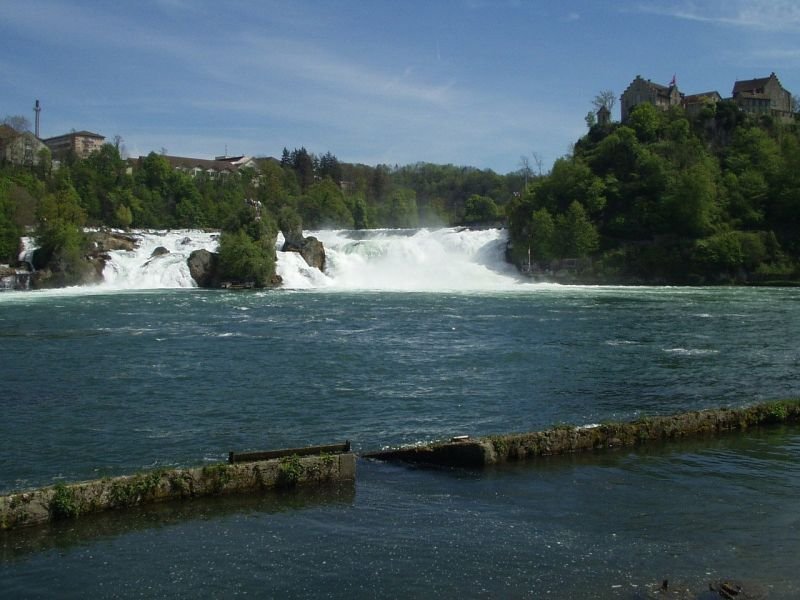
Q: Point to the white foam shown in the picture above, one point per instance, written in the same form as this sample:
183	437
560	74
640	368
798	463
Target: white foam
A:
139	269
405	260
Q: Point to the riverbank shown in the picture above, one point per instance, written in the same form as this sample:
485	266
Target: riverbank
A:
567	439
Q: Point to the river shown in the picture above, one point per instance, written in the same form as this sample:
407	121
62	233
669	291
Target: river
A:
408	337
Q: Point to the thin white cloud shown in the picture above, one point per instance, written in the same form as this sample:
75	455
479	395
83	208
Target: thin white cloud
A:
247	55
764	15
322	67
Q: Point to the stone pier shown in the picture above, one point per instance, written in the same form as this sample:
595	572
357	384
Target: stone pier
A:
64	501
566	439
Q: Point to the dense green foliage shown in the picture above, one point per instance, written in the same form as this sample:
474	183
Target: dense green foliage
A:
10	231
664	197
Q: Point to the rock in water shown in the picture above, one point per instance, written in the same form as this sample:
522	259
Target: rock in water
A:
204	268
106	241
313	252
160	251
310	248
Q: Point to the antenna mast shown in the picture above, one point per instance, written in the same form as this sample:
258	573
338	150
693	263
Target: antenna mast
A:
37	109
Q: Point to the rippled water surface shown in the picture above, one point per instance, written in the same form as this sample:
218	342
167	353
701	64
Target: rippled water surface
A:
110	383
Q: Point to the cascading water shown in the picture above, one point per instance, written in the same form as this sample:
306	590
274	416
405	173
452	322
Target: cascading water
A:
143	268
447	259
26	253
404	260
19	278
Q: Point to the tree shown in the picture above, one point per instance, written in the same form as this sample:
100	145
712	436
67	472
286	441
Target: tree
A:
59	234
480	209
120	146
646	121
570	180
525	169
18	123
290	223
330	167
323	205
537	159
10	232
690	205
243	259
360	213
575	236
271	191
402	209
543	236
604	98
123	217
303	165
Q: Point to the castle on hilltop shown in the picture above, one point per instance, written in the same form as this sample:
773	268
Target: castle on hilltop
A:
763	96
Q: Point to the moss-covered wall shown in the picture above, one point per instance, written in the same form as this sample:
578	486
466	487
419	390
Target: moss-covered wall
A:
564	439
72	500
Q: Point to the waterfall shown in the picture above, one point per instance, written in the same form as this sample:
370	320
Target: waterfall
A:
19	278
141	268
446	259
405	260
26	253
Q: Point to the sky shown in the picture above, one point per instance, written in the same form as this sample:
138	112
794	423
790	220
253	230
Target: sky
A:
475	83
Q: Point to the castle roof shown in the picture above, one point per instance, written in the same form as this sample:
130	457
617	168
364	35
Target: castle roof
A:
660	90
753	87
702	97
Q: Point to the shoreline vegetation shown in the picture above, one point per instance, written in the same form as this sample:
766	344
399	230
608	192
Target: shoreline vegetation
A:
71	500
664	198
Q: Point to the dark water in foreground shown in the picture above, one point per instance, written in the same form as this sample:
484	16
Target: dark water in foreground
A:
96	385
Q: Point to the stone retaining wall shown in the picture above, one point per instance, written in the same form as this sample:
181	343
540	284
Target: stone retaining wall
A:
72	500
565	439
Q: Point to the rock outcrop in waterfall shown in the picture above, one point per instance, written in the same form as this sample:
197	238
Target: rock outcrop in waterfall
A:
310	248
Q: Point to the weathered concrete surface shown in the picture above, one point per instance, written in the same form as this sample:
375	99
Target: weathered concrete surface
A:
567	439
72	500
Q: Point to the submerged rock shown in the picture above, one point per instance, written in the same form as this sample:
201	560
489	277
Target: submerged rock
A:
160	251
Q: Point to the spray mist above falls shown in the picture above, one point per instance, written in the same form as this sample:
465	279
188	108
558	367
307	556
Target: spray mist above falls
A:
448	259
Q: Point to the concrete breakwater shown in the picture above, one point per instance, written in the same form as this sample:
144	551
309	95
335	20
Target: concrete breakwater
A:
565	439
72	500
262	471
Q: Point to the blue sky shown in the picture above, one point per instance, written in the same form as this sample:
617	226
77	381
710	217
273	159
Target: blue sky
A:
467	82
